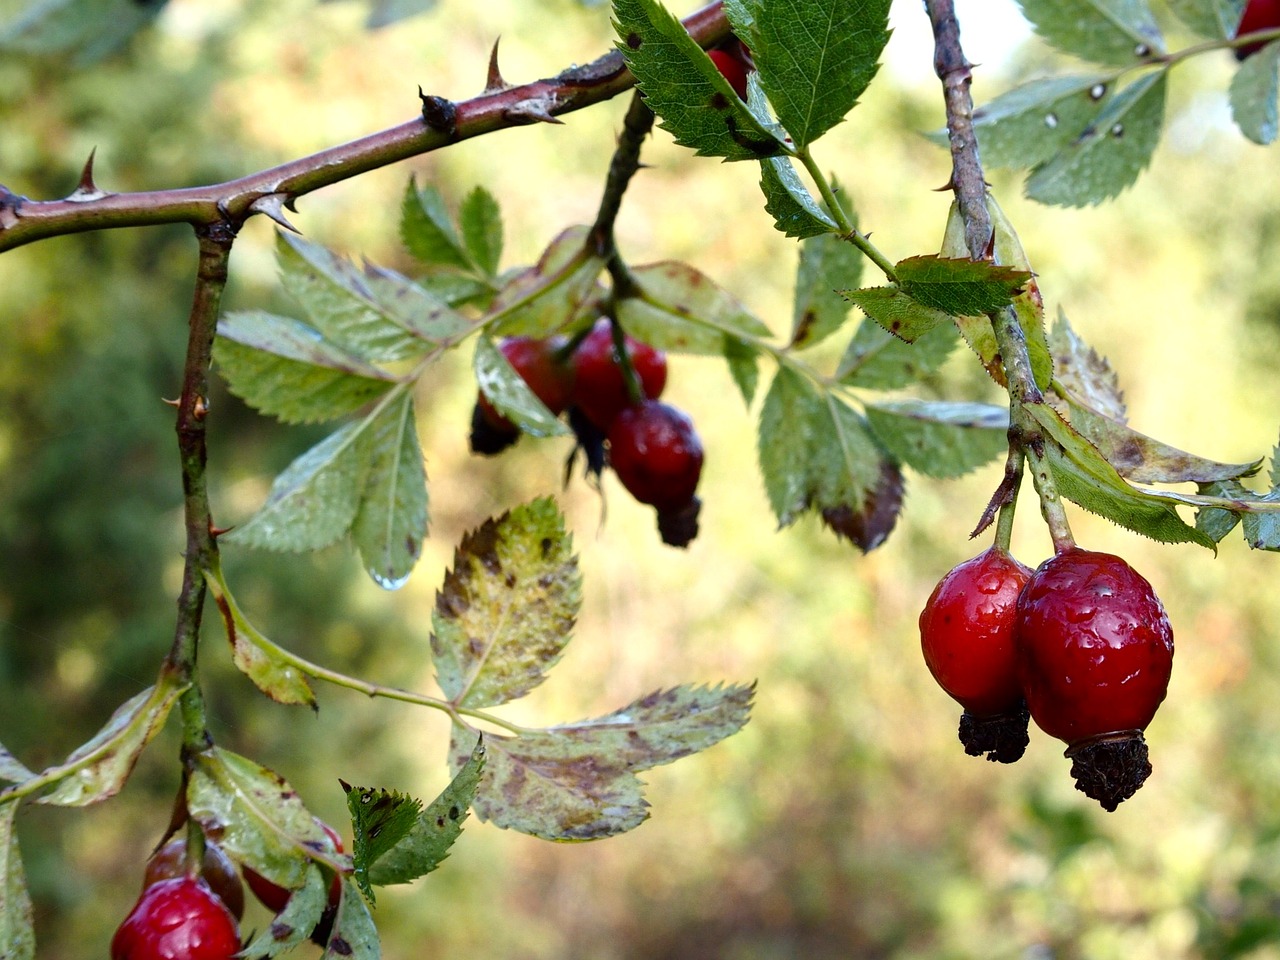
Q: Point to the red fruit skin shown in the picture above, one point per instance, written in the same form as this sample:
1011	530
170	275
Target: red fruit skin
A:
732	69
274	897
1258	15
599	389
177	919
217	871
966	633
657	454
1095	648
540	365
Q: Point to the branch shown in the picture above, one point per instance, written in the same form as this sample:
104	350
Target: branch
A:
442	123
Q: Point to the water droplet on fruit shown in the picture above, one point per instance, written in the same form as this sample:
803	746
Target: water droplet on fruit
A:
1080	614
388	583
1051	120
990	583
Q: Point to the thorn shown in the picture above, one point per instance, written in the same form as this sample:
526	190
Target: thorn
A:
172	403
86	189
493	82
216	532
537	109
949	185
990	252
273	205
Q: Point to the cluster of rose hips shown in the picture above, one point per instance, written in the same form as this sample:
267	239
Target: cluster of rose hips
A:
187	912
1082	645
608	384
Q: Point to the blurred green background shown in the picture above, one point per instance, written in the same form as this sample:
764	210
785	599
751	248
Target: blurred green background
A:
845	821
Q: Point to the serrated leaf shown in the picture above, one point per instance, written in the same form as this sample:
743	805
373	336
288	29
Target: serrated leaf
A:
1084	477
1253	95
741	16
678	309
1032	122
794	210
1108	156
878	360
940	439
578	781
391	521
543	298
505	611
959	287
88	30
433	833
481	223
816	57
897	313
693	102
1083	373
17	922
380	819
827	265
259	820
98	768
870	524
1262	530
1216	19
427	231
313	502
257	657
354	936
338	301
427	314
293	924
743	367
286	369
509	393
1118	32
815	452
1216	522
11	768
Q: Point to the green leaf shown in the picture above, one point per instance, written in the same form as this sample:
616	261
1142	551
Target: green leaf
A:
427	314
354	936
257	657
1216	522
1223	504
1108	156
295	922
878	360
578	781
99	767
428	842
552	293
678	309
1253	95
743	367
959	287
1083	374
17	923
286	369
509	393
428	232
391	521
897	313
1084	477
1028	306
259	820
1215	19
337	298
827	265
380	819
1119	32
505	611
313	502
88	30
481	223
794	210
940	439
1029	124
683	87
816	57
815	451
11	768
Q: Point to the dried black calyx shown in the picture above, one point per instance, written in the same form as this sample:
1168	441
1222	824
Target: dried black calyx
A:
1110	768
1003	737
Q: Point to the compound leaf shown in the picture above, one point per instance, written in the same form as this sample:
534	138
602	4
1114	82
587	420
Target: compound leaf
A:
1029	124
542	299
17	920
959	287
1119	32
940	439
481	223
680	309
380	819
877	359
427	231
1253	95
505	611
827	265
794	210
897	313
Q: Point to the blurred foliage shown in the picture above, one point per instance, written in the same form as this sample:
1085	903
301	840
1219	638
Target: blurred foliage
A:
845	821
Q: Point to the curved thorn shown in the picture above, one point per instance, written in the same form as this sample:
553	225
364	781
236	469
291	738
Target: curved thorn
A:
273	204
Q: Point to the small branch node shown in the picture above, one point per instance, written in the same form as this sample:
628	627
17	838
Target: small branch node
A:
439	113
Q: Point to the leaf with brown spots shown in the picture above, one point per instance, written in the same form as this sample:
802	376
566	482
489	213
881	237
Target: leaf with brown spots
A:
679	309
505	611
549	295
578	781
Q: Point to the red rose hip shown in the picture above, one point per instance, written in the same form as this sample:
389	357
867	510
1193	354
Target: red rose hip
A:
217	871
732	69
656	454
177	919
600	387
967	637
274	897
1258	15
1095	651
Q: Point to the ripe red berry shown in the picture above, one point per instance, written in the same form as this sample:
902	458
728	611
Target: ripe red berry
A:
732	69
1258	15
1095	651
599	387
656	454
274	897
543	367
217	870
177	919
